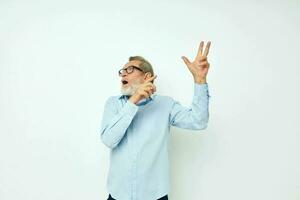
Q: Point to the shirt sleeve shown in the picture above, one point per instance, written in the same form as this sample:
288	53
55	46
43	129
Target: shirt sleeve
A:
196	116
115	123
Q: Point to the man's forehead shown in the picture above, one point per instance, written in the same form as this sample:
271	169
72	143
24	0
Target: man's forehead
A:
132	62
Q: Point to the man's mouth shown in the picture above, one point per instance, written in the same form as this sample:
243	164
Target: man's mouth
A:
124	82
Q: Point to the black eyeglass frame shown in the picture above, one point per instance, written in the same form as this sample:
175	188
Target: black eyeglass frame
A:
129	70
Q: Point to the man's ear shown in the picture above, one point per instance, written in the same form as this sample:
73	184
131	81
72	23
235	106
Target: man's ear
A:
147	75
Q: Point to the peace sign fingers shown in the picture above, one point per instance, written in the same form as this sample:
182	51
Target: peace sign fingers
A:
200	53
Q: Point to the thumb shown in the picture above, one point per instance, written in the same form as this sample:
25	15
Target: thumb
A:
186	60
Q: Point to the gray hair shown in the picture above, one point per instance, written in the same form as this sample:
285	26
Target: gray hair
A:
145	65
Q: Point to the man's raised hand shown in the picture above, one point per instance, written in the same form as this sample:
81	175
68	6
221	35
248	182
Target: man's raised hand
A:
199	67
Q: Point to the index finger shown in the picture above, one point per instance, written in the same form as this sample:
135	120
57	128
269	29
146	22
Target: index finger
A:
151	79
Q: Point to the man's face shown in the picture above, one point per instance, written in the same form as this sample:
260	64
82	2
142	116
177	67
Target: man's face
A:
131	81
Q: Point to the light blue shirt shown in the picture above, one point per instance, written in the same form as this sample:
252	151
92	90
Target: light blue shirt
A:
138	138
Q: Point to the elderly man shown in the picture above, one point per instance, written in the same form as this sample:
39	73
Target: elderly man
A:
136	126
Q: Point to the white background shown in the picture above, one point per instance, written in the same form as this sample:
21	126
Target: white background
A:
59	62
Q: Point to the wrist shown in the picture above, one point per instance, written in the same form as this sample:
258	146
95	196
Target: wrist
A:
133	99
200	81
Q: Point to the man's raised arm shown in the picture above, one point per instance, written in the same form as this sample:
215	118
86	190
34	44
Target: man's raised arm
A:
196	116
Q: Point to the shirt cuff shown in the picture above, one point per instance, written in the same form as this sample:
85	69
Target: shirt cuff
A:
201	89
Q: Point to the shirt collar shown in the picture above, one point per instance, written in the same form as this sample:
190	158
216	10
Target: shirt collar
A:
141	102
126	97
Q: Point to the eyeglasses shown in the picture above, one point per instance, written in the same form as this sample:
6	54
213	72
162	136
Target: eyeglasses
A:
129	70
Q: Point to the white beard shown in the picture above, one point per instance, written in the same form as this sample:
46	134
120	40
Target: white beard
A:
130	90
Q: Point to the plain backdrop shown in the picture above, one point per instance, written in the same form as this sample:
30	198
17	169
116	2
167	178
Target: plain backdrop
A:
58	64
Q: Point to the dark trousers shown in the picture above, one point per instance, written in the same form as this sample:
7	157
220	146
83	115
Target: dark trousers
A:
162	198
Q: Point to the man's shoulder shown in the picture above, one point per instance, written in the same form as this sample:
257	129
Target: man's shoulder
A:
161	96
112	98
